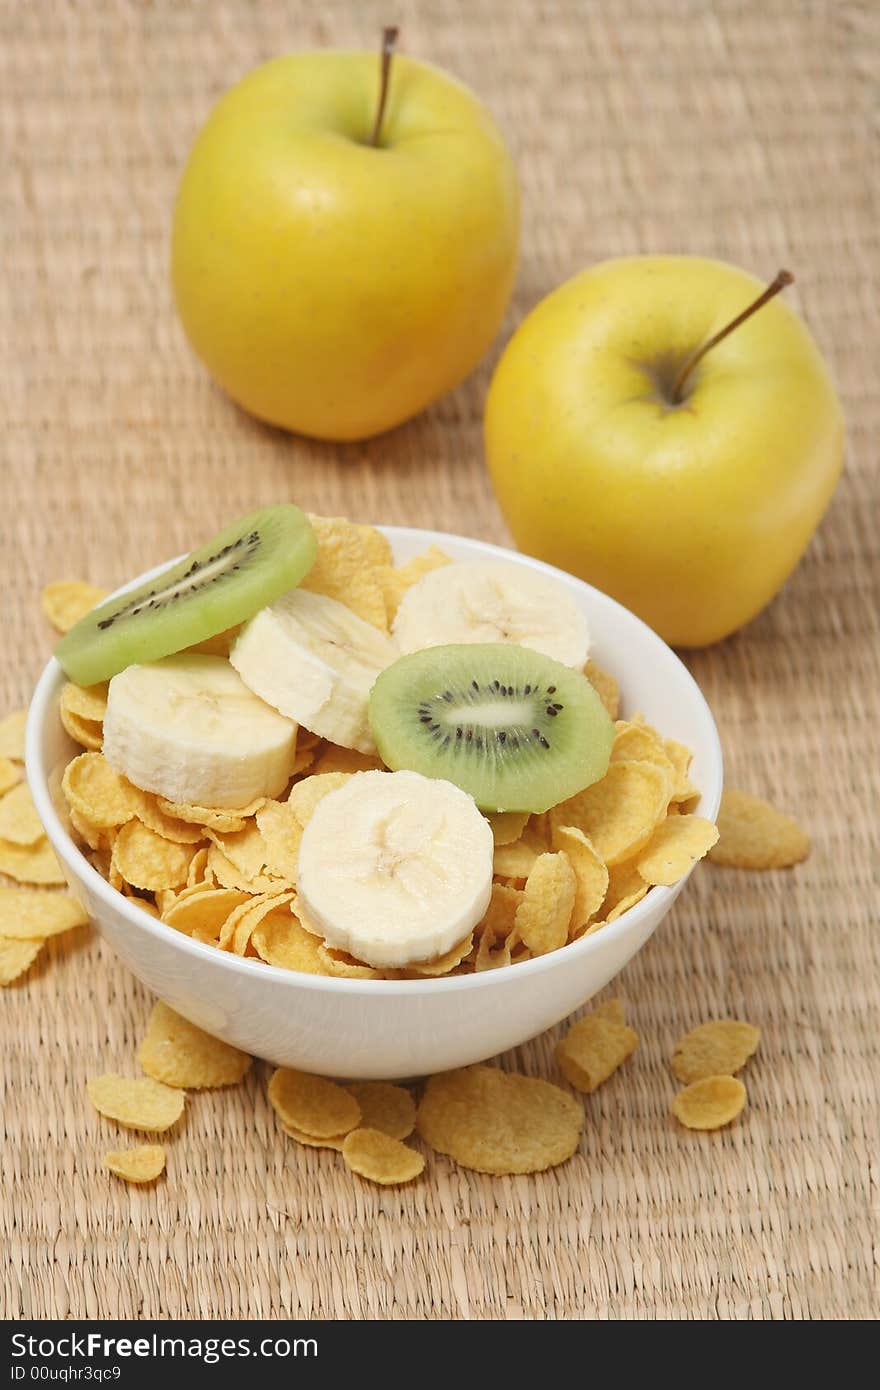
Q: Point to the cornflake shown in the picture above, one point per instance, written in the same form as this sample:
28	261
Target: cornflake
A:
30	915
68	600
377	1157
714	1049
499	1122
594	1048
710	1103
31	863
136	1102
618	814
19	822
312	1104
754	835
544	913
178	1053
674	848
388	1108
12	728
16	956
143	1164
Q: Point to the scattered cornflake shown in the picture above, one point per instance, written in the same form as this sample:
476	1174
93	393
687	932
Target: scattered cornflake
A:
754	835
605	686
100	801
19	822
196	874
68	600
341	963
143	1164
710	1103
245	849
178	1053
281	832
636	741
312	1104
507	826
100	793
543	916
345	566
683	788
88	733
629	900
30	915
12	729
239	927
329	1141
495	931
594	1047
136	1102
395	580
333	758
499	1122
625	887
377	1157
87	701
147	860
517	859
611	1008
145	906
31	863
10	774
305	795
674	848
441	965
280	940
385	1107
16	957
224	872
714	1049
493	951
591	875
226	822
619	813
182	832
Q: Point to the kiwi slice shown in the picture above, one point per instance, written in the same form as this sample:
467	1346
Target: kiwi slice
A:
246	566
516	729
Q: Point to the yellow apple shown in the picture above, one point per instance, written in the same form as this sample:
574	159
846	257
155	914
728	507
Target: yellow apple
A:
334	286
692	512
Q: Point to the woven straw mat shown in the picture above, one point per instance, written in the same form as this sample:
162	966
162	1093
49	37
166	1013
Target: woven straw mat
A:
739	129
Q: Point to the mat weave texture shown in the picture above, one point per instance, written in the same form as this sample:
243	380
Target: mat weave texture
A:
745	130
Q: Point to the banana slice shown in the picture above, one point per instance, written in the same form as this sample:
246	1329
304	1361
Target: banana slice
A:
188	728
395	867
315	661
491	601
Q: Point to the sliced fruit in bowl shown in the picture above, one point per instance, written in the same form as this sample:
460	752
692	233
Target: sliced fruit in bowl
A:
245	566
251	949
315	660
189	729
395	868
515	729
483	601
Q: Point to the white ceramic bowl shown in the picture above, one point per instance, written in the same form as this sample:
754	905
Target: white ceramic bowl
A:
390	1028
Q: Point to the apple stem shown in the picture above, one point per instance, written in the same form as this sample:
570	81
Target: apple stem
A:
389	41
784	278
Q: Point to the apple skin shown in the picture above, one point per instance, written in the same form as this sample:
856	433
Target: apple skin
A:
331	287
691	516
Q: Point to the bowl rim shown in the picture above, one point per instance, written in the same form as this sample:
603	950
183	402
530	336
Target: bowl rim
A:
44	701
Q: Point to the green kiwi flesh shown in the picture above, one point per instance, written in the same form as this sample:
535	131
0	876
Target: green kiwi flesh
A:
515	729
247	565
